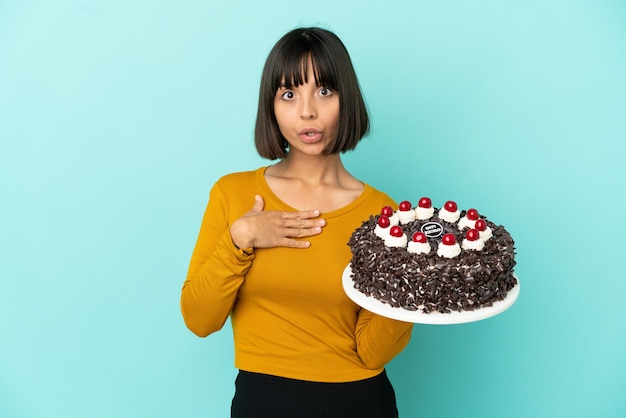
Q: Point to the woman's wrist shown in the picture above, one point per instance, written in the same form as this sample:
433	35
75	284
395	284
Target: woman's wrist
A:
246	251
239	241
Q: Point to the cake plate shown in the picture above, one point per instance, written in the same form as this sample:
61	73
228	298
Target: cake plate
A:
419	317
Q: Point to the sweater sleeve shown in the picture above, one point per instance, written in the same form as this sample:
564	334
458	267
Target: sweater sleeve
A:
216	270
380	339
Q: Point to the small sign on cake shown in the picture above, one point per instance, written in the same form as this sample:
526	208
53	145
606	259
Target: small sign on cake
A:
432	265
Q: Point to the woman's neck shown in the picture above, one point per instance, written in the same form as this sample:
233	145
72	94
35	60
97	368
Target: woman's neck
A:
313	170
314	182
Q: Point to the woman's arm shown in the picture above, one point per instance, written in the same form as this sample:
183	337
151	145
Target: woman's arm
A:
380	339
216	271
218	266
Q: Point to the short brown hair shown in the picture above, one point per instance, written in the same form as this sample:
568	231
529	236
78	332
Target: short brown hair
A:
332	67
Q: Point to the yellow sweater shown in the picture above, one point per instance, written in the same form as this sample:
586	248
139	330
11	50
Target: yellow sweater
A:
289	313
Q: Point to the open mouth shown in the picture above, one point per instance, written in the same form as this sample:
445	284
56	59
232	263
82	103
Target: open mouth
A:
311	137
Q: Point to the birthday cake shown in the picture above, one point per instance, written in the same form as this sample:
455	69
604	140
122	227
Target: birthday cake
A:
431	259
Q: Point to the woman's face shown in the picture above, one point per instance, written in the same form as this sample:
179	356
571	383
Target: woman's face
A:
307	115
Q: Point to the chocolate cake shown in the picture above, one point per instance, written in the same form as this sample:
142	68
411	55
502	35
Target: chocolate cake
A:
432	260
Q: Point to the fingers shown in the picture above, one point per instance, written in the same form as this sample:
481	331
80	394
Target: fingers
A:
259	204
287	229
294	243
301	215
302	228
302	225
266	229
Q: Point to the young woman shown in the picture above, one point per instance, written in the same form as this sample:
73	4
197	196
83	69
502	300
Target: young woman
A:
273	245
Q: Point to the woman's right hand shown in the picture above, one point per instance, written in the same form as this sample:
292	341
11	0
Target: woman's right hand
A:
265	229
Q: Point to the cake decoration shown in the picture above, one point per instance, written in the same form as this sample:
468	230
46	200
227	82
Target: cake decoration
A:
396	238
410	275
432	229
406	213
424	209
483	229
472	240
391	214
419	244
382	226
469	220
450	212
448	247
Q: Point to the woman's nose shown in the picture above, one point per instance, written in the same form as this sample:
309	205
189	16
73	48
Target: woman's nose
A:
308	110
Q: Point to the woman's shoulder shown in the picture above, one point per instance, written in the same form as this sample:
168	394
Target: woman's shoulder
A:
240	178
377	197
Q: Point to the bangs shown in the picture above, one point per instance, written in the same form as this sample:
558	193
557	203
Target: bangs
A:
295	66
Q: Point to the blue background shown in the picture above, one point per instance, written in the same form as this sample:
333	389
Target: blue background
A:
116	117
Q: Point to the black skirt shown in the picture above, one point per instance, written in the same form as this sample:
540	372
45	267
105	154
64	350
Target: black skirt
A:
265	396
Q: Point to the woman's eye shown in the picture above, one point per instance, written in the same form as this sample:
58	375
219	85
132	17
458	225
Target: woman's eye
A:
325	91
288	95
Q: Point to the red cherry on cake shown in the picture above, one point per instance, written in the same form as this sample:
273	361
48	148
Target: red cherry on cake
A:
450	206
383	221
481	225
472	214
425	203
448	239
419	237
396	231
405	206
387	211
472	234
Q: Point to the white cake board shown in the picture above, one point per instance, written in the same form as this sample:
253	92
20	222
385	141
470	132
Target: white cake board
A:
419	317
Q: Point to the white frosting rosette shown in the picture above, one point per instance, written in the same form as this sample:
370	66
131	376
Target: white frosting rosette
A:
406	216
388	212
381	232
418	247
475	245
424	213
484	230
464	222
448	216
486	234
396	238
448	251
396	242
448	247
405	212
394	219
469	220
472	240
383	226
